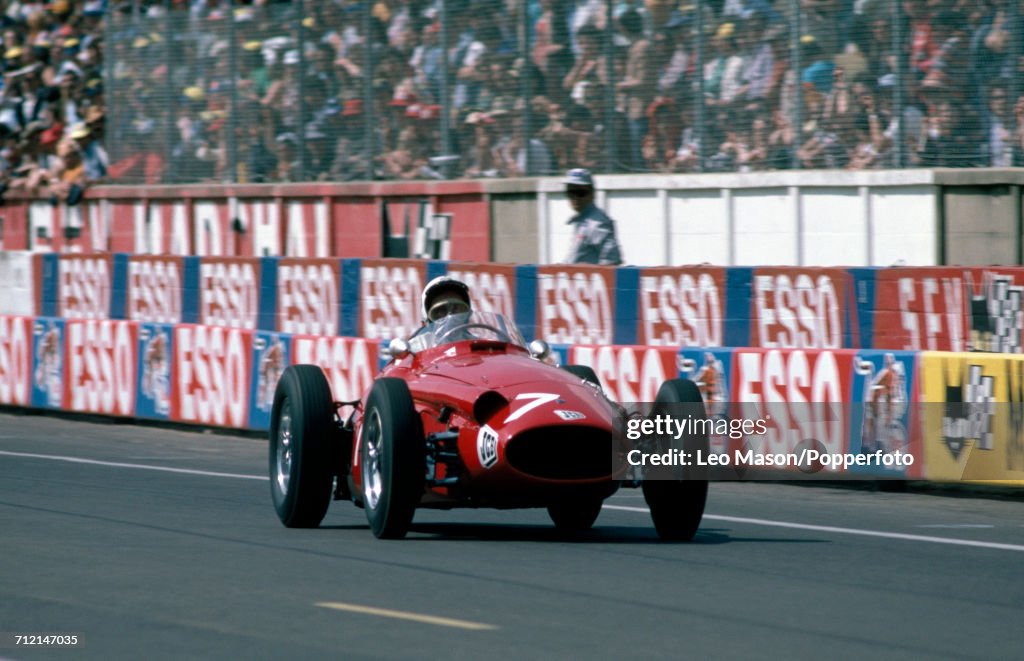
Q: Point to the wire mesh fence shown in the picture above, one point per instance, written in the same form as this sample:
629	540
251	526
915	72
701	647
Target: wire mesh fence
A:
341	90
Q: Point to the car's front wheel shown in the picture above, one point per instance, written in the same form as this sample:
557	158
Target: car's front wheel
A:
301	469
392	458
677	502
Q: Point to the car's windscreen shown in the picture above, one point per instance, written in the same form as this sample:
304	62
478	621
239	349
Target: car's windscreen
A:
466	326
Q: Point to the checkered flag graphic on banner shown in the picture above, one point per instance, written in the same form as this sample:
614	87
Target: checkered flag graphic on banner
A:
1004	305
981	406
433	235
997	314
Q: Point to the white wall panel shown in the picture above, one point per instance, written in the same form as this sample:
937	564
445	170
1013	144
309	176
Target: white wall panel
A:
904	225
834	227
698	227
640	224
764	226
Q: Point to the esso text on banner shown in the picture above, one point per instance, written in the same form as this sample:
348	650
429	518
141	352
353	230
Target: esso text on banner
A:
349	363
682	309
155	289
84	287
101	364
15	360
575	307
307	297
390	300
628	373
491	287
211	375
803	395
796	310
229	293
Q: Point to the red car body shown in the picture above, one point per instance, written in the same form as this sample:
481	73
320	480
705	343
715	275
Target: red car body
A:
552	430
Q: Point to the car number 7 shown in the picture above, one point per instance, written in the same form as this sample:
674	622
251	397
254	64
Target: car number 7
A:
539	399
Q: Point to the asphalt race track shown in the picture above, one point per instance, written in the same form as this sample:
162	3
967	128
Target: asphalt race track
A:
158	543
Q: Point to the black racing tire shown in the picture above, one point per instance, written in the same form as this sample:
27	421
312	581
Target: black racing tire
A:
575	514
585	372
392	458
677	505
301	464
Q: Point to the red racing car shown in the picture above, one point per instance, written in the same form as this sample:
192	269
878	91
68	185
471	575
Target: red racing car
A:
466	415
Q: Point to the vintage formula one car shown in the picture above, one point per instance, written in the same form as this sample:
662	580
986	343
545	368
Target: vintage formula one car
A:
466	415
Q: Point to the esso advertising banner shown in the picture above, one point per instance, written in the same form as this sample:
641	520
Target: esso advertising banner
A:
492	286
155	352
682	306
15	360
627	373
229	292
794	308
101	366
389	297
84	286
308	296
211	375
576	304
350	364
269	360
884	410
802	395
48	363
155	289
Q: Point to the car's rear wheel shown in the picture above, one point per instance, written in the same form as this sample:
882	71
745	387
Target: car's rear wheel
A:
392	458
301	466
575	514
585	372
677	505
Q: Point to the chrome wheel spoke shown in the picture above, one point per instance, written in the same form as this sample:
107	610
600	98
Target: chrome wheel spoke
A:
283	469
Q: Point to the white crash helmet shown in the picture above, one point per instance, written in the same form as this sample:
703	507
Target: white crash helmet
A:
443	284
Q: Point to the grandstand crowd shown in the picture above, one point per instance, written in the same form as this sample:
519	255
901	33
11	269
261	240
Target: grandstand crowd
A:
280	88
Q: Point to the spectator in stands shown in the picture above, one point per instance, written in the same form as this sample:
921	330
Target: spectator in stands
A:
998	129
637	84
590	65
722	74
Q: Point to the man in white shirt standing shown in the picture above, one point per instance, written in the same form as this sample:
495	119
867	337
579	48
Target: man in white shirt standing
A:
593	240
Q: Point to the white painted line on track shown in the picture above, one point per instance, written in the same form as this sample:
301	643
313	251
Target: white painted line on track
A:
406	615
956	526
713	517
114	464
845	531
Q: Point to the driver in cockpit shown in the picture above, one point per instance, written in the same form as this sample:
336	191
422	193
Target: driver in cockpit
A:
444	296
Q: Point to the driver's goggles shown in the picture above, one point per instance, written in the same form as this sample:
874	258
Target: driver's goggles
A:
445	308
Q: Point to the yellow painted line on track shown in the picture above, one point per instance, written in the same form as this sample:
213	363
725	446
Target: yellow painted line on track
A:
405	615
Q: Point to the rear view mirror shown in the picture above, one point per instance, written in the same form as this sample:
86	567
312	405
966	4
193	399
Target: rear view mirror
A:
398	348
539	349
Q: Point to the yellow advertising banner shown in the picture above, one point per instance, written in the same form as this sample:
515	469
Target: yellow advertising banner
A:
972	417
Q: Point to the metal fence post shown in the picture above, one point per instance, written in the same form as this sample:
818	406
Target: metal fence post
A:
798	101
699	110
902	62
232	172
369	121
445	101
1016	53
610	128
299	17
525	89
